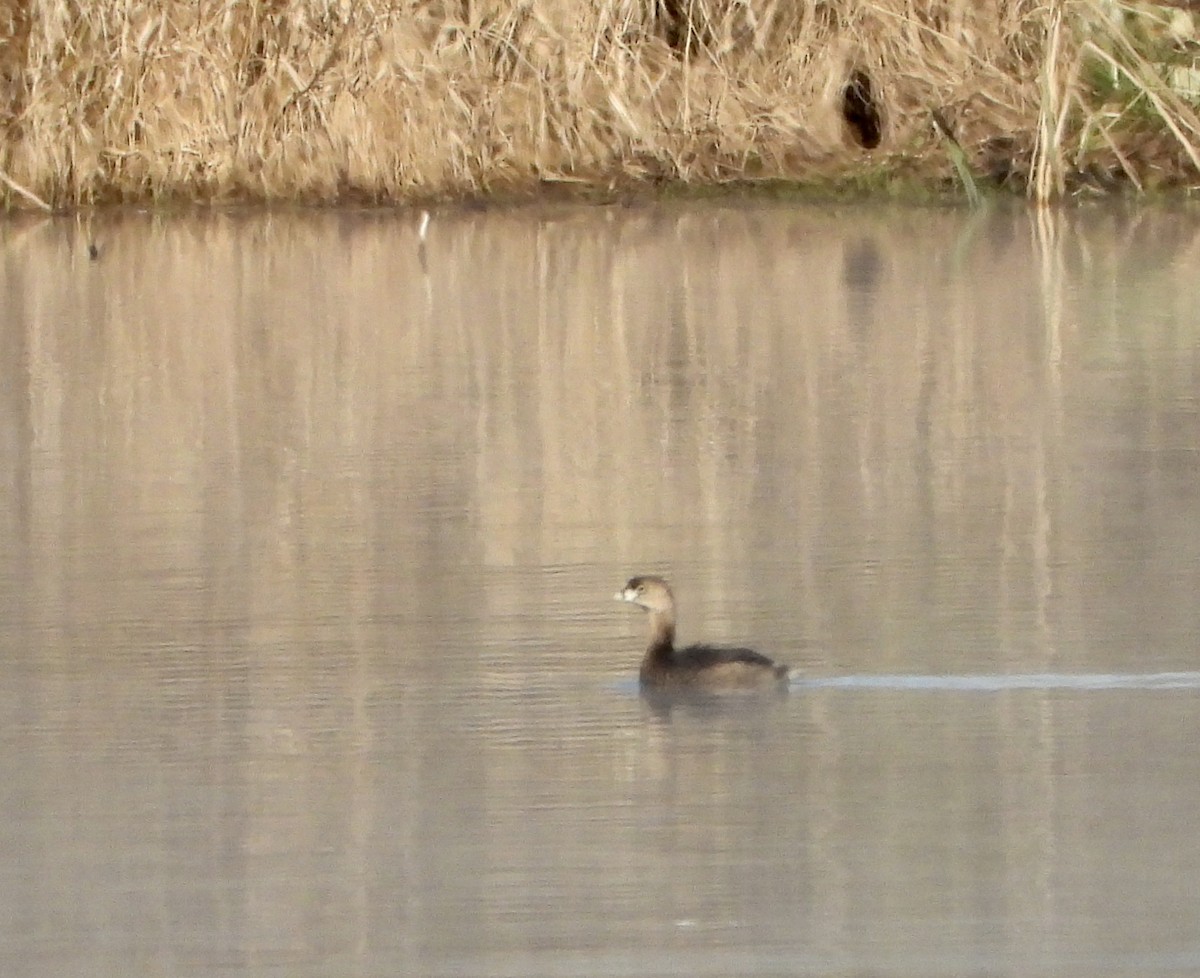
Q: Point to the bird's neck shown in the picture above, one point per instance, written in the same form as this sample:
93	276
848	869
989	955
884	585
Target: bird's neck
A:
662	633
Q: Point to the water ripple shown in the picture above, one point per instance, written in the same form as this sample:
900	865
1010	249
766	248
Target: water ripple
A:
997	682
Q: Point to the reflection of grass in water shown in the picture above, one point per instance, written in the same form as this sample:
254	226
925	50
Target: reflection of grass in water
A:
594	383
311	100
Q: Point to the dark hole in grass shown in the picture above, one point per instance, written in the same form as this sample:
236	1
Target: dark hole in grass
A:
861	111
683	27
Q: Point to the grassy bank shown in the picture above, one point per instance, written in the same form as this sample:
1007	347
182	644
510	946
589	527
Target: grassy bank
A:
392	100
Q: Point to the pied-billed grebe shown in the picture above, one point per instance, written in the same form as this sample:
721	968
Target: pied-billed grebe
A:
701	667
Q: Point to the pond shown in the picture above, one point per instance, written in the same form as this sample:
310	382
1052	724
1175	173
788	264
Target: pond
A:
309	533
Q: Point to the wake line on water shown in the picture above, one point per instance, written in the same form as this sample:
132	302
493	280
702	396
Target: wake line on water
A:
998	683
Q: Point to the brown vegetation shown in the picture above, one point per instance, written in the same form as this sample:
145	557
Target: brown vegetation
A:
387	100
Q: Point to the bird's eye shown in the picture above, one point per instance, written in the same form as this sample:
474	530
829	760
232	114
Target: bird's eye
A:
641	588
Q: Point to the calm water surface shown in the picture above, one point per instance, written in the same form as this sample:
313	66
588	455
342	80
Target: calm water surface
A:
308	536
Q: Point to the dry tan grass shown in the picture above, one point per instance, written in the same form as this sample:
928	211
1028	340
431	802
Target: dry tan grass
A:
323	100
